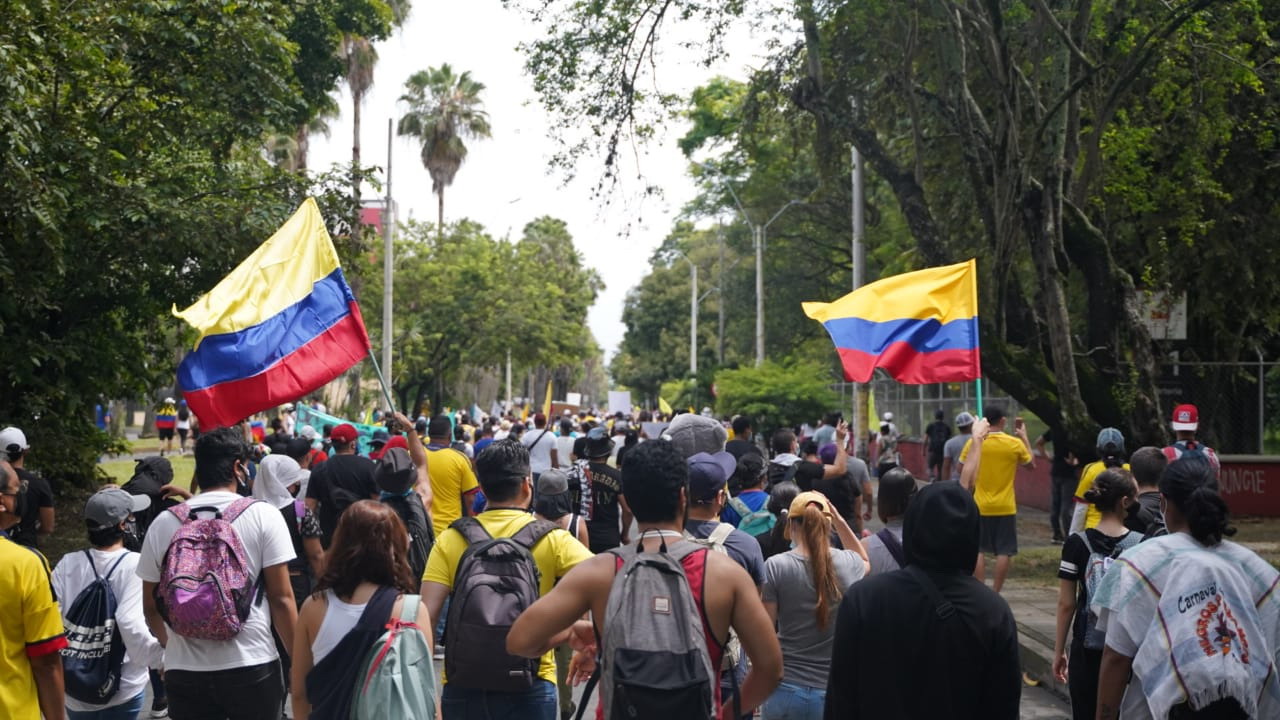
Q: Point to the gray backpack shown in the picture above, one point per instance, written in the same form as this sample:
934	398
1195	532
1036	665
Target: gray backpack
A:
497	580
654	661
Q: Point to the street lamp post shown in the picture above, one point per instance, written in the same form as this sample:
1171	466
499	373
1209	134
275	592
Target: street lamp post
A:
758	240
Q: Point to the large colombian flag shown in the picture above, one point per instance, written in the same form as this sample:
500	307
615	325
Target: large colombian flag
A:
279	326
922	327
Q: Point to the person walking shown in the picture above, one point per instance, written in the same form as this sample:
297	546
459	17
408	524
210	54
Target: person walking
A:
107	515
1194	601
884	549
655	483
364	584
936	436
1146	516
544	452
166	420
452	479
237	678
31	630
340	481
802	591
482	683
1062	482
1185	424
35	499
608	518
991	463
554	502
775	541
955	446
943	644
1086	556
1111	454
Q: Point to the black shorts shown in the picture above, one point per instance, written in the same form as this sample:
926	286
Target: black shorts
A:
935	458
998	535
182	433
165	433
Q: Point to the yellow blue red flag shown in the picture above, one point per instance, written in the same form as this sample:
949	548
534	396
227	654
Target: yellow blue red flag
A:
921	327
281	325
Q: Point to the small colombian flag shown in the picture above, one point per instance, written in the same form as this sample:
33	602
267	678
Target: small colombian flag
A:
281	325
921	327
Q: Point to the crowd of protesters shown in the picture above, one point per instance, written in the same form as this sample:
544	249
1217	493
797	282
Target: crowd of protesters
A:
681	567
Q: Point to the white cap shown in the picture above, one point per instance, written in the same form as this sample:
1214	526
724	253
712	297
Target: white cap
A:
169	400
11	436
888	416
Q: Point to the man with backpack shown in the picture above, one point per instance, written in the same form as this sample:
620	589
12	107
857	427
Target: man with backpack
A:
492	568
1145	515
660	641
544	453
1185	423
36	500
453	481
102	609
221	661
708	476
31	632
340	481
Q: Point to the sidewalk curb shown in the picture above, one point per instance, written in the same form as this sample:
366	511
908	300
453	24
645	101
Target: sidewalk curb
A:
1037	660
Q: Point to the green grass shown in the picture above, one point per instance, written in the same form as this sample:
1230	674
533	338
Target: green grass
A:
1035	566
121	470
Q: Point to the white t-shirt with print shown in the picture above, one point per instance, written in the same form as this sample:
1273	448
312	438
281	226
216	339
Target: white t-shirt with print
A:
266	541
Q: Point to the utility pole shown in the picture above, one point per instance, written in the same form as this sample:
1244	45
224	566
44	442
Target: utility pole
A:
693	321
388	220
720	303
858	261
759	243
508	405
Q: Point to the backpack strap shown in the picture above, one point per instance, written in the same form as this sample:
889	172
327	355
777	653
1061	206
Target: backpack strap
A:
409	608
532	534
739	507
718	536
237	507
941	605
471	530
790	474
111	569
893	545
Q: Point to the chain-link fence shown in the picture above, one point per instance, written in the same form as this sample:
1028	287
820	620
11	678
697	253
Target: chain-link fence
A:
913	406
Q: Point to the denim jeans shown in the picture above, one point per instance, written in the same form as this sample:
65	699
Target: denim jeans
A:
793	702
127	710
248	693
536	703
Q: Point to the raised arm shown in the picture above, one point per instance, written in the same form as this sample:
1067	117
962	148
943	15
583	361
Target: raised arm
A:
972	459
550	621
841	465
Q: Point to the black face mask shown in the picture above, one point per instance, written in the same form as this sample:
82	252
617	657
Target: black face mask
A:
132	540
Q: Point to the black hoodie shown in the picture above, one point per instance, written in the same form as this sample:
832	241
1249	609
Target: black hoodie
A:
894	657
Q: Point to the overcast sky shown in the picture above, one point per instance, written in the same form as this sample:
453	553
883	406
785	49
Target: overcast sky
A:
505	182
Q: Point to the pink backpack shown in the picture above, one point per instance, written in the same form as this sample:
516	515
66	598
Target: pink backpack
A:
206	589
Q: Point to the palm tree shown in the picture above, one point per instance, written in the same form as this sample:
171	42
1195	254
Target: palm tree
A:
444	107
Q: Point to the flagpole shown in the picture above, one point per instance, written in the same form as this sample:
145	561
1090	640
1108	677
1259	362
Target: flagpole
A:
978	383
386	390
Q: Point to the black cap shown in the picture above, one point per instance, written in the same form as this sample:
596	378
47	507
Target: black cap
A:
396	473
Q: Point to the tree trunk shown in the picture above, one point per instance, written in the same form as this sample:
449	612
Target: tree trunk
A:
302	139
440	215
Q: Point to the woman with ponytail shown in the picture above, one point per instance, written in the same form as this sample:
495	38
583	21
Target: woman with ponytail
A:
1086	556
802	590
1193	618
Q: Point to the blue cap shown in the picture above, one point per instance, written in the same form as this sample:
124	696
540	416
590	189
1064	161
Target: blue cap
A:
1110	439
709	473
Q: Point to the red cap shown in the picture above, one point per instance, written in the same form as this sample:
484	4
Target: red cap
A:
344	433
1186	417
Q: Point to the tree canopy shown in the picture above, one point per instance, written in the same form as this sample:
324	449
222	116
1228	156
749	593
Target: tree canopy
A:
134	177
1088	153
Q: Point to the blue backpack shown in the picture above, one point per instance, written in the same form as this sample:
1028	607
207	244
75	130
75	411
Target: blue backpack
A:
94	655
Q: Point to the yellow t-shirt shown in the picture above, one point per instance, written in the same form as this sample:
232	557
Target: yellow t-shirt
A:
30	626
1091	471
554	555
1001	456
451	476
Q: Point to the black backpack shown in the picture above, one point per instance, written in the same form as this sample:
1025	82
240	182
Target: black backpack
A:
149	475
94	655
496	581
782	473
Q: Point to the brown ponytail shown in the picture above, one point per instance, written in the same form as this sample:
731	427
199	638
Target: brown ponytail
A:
816	528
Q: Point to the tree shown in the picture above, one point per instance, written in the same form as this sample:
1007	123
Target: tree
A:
775	395
454	312
444	108
131	180
1013	132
